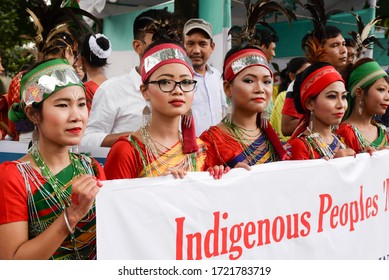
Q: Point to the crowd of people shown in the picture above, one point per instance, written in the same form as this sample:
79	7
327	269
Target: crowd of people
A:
172	114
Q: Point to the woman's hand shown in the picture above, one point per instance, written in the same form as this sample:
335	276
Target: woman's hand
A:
84	191
369	150
242	165
218	170
177	173
345	153
382	148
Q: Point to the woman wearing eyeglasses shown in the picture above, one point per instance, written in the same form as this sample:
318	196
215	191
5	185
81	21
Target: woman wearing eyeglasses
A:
159	147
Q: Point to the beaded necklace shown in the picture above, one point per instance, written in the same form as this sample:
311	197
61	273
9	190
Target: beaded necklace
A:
154	158
61	198
318	143
363	143
248	142
240	133
60	189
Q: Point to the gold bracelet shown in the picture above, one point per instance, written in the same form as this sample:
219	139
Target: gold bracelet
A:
65	216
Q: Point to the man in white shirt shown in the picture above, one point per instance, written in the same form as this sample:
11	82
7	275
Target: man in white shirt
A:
209	104
118	103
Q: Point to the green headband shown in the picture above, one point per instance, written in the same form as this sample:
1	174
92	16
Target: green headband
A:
41	82
364	75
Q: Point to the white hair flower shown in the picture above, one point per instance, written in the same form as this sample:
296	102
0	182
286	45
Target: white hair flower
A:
96	49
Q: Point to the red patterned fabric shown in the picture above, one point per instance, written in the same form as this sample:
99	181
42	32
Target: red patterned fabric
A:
317	81
14	96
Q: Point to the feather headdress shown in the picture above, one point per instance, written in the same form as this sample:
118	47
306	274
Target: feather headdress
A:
363	39
313	42
167	26
58	26
246	35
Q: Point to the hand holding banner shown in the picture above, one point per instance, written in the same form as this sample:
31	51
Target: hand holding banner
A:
315	209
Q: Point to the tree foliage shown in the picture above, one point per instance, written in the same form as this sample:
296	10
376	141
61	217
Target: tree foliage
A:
14	22
383	11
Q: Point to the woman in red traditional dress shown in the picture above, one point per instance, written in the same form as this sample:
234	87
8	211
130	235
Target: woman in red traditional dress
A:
242	138
47	208
245	136
321	97
160	147
368	84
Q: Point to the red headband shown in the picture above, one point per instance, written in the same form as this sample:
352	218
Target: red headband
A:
317	81
312	86
243	59
160	55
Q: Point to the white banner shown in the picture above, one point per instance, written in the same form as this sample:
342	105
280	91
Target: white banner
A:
315	209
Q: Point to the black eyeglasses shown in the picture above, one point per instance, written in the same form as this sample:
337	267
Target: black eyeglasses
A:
169	85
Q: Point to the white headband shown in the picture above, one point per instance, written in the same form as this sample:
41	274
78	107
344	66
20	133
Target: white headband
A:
96	49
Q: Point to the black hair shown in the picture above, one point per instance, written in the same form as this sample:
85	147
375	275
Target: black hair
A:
304	40
328	33
331	31
285	80
266	36
349	42
296	63
291	67
300	79
143	20
164	41
89	56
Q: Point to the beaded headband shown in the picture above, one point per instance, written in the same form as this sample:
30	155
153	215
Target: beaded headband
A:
243	59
